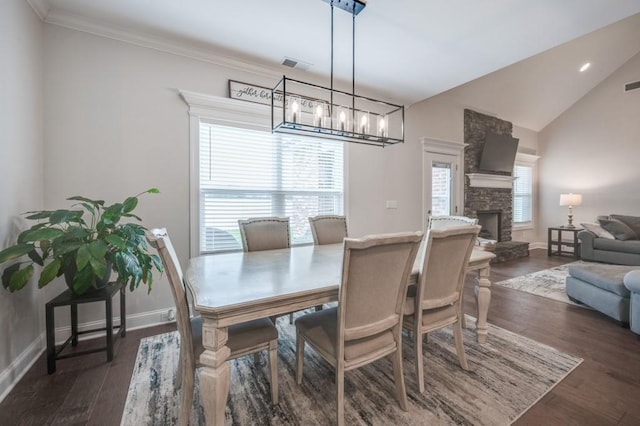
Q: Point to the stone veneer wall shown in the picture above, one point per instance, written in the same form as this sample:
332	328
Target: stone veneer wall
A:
476	128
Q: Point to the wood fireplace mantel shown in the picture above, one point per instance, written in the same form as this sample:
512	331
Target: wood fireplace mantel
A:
482	180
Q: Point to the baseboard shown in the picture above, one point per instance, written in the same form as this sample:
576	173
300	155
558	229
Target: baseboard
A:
19	367
135	321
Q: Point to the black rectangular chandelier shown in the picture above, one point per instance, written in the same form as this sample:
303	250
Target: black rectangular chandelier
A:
303	108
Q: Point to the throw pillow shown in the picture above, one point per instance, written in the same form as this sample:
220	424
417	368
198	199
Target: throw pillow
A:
598	230
632	222
618	229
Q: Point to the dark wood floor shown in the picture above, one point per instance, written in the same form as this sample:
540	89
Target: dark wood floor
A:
603	390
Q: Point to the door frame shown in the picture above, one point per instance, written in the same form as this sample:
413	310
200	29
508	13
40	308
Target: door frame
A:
430	148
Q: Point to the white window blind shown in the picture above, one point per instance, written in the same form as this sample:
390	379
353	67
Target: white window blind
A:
523	194
248	173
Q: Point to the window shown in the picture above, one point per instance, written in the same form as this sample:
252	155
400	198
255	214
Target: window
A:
523	195
249	173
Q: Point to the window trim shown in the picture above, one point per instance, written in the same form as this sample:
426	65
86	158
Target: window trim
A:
528	160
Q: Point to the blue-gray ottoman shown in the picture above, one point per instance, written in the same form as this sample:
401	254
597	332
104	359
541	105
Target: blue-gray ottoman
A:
632	283
601	287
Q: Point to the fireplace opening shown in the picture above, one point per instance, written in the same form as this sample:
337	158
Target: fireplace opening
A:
491	223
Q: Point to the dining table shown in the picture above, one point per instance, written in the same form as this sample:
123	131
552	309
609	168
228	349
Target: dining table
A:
230	288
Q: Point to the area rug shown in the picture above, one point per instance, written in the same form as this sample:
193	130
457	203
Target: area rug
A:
507	375
547	283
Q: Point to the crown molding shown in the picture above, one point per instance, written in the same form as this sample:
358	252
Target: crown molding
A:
163	44
41	7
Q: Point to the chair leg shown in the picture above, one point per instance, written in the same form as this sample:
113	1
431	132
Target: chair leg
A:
318	308
273	367
299	357
291	318
340	395
457	335
398	376
419	361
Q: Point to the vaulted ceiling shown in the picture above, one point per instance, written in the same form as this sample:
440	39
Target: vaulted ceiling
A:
406	50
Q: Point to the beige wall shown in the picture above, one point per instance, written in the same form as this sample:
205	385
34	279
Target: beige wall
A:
594	148
20	175
442	117
115	125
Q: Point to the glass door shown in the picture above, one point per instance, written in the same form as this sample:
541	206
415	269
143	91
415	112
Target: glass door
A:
441	185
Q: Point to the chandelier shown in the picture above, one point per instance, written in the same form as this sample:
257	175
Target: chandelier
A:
303	108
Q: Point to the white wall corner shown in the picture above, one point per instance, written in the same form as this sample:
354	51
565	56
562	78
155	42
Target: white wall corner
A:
19	367
41	7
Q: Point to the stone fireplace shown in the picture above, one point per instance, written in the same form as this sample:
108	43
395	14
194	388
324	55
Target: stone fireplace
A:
491	205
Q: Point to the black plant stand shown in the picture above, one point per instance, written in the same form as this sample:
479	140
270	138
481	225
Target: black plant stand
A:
68	298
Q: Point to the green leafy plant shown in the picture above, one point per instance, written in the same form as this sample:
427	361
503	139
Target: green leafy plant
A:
85	244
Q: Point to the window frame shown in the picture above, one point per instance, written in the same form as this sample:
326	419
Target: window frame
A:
530	161
231	113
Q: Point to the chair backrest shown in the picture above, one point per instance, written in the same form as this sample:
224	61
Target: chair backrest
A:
159	239
441	222
447	253
264	233
328	229
375	276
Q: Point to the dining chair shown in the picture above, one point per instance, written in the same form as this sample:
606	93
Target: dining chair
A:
440	222
444	222
243	339
436	301
367	323
328	229
264	233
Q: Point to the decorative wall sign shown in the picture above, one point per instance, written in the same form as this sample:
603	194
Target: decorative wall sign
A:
262	95
251	93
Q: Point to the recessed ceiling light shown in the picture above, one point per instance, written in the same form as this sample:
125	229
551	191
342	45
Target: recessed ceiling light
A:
585	67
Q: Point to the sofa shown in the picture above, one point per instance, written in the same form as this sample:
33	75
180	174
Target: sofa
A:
632	283
601	287
613	239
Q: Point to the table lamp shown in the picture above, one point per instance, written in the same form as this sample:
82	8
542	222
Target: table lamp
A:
570	200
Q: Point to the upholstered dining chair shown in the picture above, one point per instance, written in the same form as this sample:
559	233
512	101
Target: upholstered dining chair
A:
440	222
436	301
328	229
264	233
243	339
367	323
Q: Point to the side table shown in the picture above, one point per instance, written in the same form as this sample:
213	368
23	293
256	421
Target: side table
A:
560	244
68	298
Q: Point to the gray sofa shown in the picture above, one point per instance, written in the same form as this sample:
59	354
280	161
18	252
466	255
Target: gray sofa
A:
623	250
602	288
632	283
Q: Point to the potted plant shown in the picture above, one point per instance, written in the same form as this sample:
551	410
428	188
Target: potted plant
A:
85	244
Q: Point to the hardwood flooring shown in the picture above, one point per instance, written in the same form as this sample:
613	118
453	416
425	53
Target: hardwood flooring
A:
603	390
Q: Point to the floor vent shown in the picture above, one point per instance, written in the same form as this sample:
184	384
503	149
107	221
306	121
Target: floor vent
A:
632	86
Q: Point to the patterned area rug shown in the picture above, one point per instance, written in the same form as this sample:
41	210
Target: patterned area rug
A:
507	375
548	283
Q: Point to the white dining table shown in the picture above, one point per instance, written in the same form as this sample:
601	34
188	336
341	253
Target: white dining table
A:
230	288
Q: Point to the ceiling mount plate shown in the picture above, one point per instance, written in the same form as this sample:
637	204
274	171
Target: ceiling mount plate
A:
351	6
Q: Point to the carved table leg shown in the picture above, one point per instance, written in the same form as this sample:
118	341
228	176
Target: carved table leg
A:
215	374
483	297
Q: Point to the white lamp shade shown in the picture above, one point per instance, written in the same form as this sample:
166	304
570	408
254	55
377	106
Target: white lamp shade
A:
570	199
